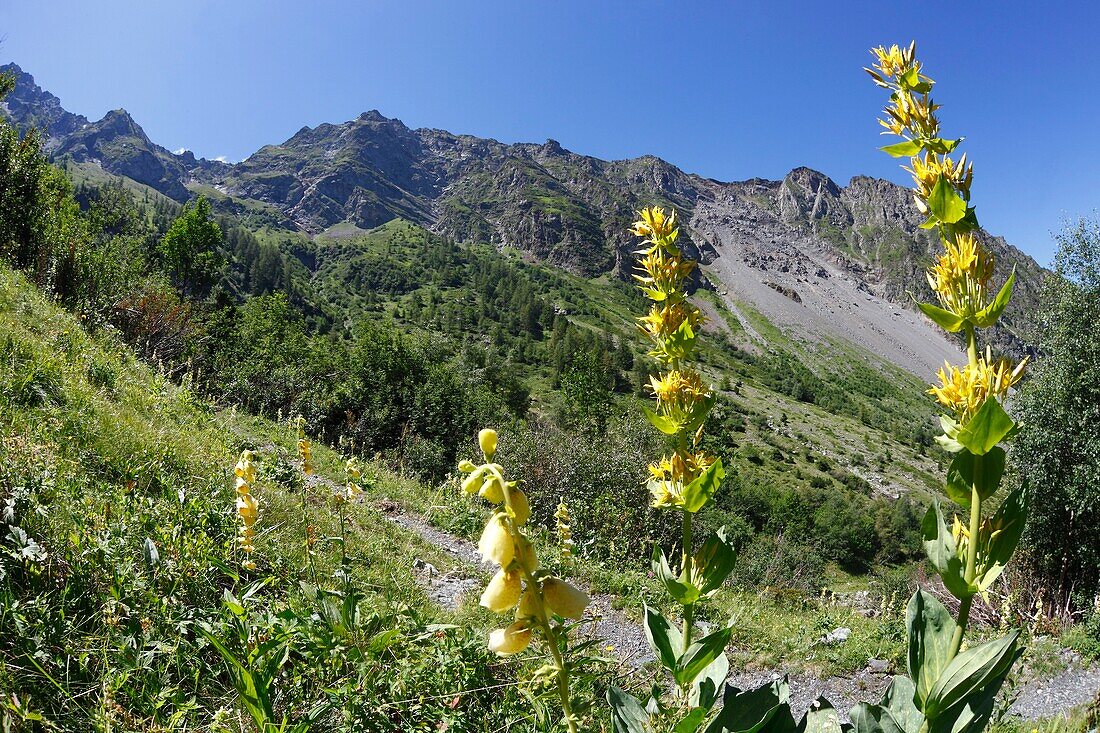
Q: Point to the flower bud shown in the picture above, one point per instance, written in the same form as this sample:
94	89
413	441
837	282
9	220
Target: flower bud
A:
496	543
563	599
521	509
511	639
502	593
488	440
466	466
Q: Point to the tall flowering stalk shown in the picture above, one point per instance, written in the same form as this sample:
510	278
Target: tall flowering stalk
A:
684	480
248	508
949	688
305	463
540	601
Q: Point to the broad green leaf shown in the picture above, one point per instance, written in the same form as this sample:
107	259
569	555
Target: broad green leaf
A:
708	683
699	413
820	718
898	700
713	562
973	715
939	545
989	315
942	146
691	722
945	319
969	672
960	475
949	440
685	593
663	637
1009	519
627	714
666	425
930	629
989	426
700	491
700	654
874	719
904	149
945	203
679	343
750	711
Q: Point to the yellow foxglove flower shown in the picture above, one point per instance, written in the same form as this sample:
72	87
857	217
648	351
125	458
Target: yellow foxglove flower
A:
511	639
491	491
563	599
521	509
529	605
525	554
496	544
472	483
467	466
487	439
503	591
248	508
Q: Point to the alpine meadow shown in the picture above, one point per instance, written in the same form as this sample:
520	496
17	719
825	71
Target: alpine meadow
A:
393	429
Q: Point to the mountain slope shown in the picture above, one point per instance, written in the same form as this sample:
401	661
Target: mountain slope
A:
812	256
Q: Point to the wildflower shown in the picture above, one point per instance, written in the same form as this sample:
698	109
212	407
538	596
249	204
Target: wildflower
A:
529	605
565	530
305	447
965	390
487	439
503	591
656	226
510	640
962	276
354	473
246	505
520	507
496	544
671	474
563	599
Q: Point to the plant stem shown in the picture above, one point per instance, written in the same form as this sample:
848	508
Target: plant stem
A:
971	346
685	575
971	560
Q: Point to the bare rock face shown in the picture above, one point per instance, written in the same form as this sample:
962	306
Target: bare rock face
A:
844	261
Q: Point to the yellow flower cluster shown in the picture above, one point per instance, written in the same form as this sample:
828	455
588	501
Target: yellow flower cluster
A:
305	447
519	583
964	390
247	506
353	491
927	171
565	530
682	396
670	475
962	276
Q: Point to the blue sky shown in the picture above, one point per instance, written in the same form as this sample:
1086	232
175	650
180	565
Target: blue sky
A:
728	90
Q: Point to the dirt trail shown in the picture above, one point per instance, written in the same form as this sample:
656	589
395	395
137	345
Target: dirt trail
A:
1037	697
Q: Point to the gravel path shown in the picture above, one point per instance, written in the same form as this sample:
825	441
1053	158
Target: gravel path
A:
1037	697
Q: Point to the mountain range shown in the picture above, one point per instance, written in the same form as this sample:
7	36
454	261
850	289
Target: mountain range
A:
819	260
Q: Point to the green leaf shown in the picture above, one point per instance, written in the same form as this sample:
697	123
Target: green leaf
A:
691	722
974	714
685	593
700	491
898	700
987	316
663	637
1009	519
989	426
627	714
820	718
942	146
939	545
708	683
904	149
969	672
700	654
679	343
874	719
960	475
666	425
945	319
930	629
945	203
252	690
751	711
714	561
